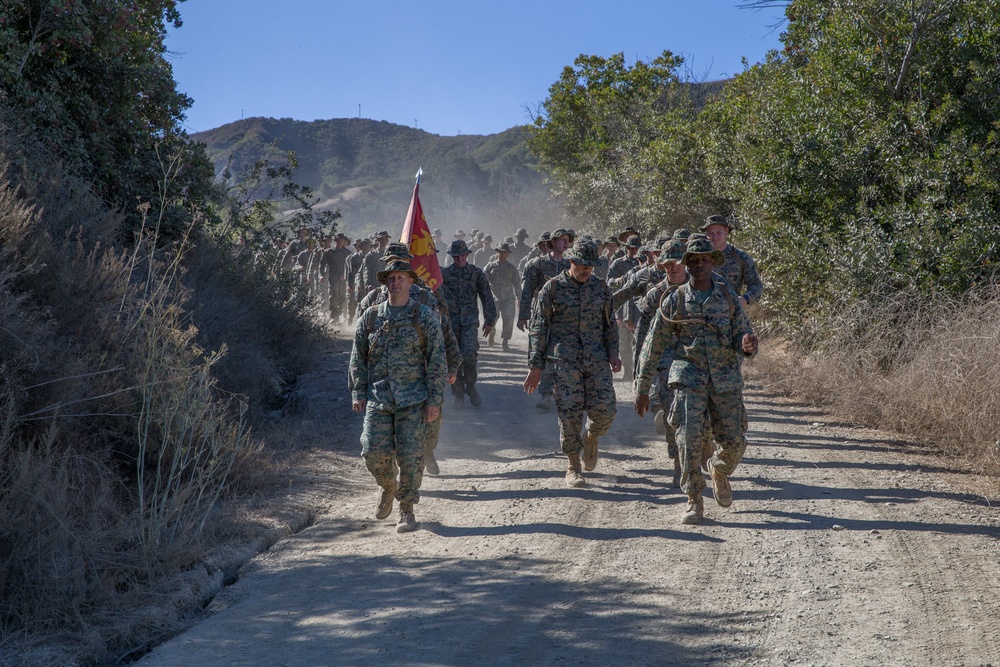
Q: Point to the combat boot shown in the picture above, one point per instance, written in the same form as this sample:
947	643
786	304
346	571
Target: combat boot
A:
677	471
473	396
545	402
460	402
430	463
574	476
723	490
506	347
695	509
492	338
407	521
589	451
387	495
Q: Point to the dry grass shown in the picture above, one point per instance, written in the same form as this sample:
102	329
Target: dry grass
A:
926	367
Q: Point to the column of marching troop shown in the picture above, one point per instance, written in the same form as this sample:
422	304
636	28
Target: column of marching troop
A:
668	313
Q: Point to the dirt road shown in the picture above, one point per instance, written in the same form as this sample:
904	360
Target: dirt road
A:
841	548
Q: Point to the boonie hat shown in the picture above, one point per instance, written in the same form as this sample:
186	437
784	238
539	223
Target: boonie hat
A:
717	219
584	252
563	232
521	233
700	245
544	237
633	242
382	235
437	233
680	233
672	251
487	239
502	247
396	250
458	248
460	234
627	232
613	240
394	266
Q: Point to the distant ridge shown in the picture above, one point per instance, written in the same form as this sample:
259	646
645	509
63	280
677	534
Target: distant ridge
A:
366	168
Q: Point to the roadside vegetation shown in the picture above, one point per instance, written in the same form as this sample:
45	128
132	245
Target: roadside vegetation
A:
143	337
862	166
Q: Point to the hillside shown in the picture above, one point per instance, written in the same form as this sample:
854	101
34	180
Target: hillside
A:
366	169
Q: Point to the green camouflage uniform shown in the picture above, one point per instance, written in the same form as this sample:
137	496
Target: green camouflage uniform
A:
398	366
617	273
738	270
505	283
705	375
538	272
573	328
462	287
648	306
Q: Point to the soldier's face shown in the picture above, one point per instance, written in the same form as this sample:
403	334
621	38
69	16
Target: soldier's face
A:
700	266
461	261
579	272
560	244
718	235
398	283
676	273
502	256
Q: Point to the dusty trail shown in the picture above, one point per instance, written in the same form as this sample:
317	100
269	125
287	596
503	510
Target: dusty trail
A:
836	551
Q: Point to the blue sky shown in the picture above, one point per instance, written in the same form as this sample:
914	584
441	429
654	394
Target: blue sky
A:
447	67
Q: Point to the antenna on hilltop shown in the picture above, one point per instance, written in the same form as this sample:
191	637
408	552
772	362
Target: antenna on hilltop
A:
359	111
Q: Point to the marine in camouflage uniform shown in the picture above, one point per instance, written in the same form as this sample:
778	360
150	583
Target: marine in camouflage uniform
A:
738	268
397	376
505	284
709	333
519	250
572	329
536	273
462	285
624	315
541	248
453	355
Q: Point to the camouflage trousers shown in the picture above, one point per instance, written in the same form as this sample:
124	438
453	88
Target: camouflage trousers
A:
433	432
666	394
579	389
393	442
338	298
625	350
468	344
692	414
508	313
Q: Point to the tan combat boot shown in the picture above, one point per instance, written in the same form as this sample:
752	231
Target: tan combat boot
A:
574	476
387	495
589	451
695	509
430	463
407	521
723	490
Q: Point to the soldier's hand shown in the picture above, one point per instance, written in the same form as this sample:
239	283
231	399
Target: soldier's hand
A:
522	324
616	364
452	377
486	330
750	344
641	404
531	382
432	412
359	406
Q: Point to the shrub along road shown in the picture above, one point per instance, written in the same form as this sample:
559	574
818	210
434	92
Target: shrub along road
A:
843	547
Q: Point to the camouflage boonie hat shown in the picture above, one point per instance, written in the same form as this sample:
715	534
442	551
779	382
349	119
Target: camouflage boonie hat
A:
633	242
502	247
364	241
487	239
396	250
480	236
564	232
382	235
460	234
395	266
341	236
717	220
672	250
680	233
521	233
509	239
357	242
437	233
584	253
700	245
474	232
458	248
613	240
627	232
544	237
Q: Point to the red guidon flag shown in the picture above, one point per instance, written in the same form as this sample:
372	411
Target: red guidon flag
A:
417	236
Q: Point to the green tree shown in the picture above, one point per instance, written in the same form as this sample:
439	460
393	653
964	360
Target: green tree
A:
90	79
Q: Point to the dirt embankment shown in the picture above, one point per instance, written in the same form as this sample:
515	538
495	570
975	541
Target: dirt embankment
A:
843	547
